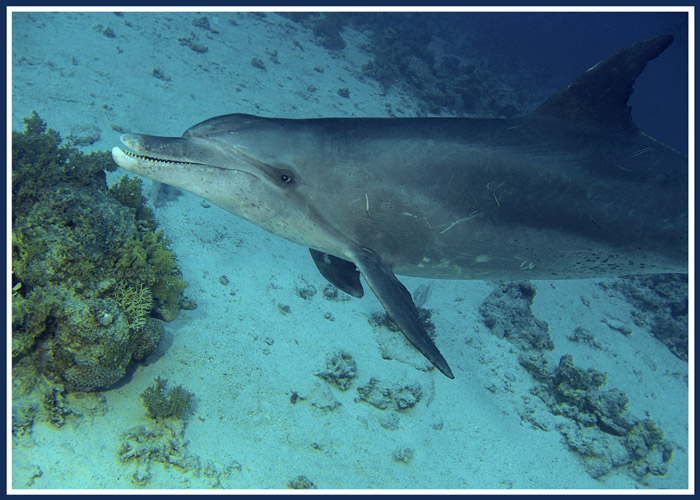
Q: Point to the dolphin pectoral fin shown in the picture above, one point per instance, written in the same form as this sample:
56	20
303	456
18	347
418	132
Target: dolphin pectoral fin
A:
398	303
389	290
339	272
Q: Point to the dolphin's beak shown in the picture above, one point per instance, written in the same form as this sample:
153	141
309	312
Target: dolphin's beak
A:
124	160
154	151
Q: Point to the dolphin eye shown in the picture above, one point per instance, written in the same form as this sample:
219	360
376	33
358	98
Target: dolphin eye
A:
283	177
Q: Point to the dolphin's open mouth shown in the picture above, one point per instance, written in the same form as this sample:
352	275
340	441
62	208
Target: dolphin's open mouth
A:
147	165
143	165
177	152
131	157
169	153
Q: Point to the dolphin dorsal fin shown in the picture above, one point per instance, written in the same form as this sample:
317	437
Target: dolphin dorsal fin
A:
599	96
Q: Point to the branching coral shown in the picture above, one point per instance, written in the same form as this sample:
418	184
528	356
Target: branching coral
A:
136	302
159	405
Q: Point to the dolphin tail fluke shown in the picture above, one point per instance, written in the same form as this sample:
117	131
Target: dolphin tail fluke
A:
397	301
600	95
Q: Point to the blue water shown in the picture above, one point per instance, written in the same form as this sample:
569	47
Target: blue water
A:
553	46
550	48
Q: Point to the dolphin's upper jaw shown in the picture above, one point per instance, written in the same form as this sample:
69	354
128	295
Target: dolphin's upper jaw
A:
132	141
133	161
165	153
164	159
150	154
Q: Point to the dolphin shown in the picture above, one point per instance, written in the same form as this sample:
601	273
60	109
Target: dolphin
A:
572	190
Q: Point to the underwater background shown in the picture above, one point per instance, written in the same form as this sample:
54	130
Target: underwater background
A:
160	342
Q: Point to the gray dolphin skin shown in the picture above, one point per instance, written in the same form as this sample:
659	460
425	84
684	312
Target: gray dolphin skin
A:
573	190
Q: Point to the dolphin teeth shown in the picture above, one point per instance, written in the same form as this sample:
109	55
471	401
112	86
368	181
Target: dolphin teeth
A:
147	158
151	159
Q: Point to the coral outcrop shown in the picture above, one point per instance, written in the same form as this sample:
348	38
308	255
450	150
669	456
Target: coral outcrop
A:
600	428
340	370
507	313
91	277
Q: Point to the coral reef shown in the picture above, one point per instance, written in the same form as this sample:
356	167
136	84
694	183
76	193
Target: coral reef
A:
136	303
578	394
90	276
23	417
661	304
175	404
507	313
340	370
404	55
162	441
596	424
163	444
398	397
54	405
38	400
599	428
